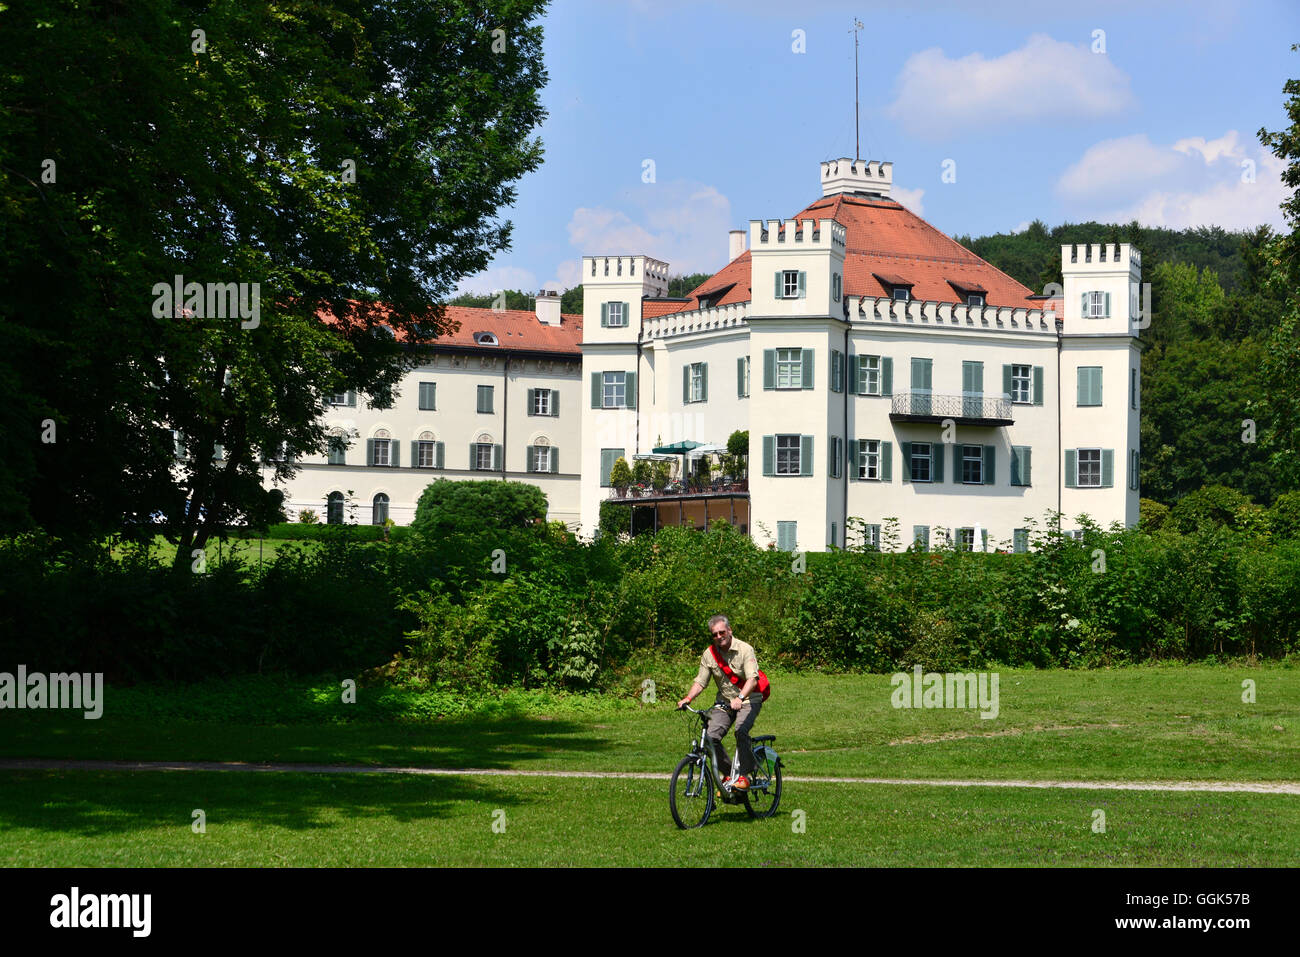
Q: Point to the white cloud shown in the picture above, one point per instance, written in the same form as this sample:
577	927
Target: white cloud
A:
909	198
1044	79
683	223
1192	182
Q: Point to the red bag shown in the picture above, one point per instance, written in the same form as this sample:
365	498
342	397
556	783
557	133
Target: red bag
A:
764	686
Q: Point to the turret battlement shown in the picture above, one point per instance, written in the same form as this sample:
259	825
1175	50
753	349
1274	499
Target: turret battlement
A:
625	270
846	175
1100	257
804	233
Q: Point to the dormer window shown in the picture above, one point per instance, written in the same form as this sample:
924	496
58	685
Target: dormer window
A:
975	299
902	293
485	339
898	287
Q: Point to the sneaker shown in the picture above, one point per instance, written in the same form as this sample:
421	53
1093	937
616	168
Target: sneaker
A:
741	783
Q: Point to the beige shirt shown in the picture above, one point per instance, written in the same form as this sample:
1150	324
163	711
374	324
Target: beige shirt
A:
740	658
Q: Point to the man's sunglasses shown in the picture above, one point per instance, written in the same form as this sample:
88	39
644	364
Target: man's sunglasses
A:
719	634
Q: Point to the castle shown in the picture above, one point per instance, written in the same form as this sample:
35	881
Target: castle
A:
881	370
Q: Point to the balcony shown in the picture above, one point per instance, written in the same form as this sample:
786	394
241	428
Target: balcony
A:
962	409
644	494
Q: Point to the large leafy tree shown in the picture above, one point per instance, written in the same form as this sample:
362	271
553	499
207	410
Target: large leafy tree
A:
337	154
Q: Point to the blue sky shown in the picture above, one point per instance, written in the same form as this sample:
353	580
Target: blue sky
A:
1032	111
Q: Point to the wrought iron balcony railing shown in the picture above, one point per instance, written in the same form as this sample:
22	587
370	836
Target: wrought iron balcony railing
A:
965	409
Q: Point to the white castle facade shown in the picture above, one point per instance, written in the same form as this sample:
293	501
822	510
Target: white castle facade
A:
882	371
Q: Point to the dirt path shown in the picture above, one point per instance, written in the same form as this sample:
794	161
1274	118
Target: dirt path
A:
46	764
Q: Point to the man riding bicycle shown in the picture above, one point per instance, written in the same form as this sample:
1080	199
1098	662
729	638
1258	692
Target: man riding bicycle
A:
742	706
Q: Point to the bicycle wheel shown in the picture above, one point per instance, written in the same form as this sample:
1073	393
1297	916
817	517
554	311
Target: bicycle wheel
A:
690	795
764	792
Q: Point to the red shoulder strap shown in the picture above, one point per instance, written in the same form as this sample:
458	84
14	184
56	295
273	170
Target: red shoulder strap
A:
731	675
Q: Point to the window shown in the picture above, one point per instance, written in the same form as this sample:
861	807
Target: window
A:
787	455
1020	540
485	398
379	509
869	459
835	287
742	376
607	459
426	454
1020	461
789	368
334	508
541	401
902	293
1134	473
428	396
541	458
485	339
483	456
336	398
791	287
972	389
787	536
837	456
837	371
1021	382
615	386
975	299
615	314
337	450
965	539
1089	468
972	465
869	375
1089	385
695	382
921	537
871	537
381	451
920	461
1132	388
1096	305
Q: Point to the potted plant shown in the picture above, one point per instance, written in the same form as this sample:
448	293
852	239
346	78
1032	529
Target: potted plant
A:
659	476
620	476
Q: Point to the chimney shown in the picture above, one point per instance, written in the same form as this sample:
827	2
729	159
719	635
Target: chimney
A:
548	307
737	237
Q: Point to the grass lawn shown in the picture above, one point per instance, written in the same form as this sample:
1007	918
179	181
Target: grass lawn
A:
1143	724
250	551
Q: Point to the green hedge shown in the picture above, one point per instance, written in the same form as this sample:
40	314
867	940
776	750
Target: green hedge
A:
298	531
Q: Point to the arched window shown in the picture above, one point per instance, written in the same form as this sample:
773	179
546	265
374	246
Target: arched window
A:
379	509
334	508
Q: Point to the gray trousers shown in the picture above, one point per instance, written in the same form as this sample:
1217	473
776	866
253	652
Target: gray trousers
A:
721	721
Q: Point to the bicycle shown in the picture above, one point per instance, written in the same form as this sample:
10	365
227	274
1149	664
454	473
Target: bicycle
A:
697	779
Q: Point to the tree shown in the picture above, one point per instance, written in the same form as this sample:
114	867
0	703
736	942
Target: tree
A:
332	168
509	298
446	507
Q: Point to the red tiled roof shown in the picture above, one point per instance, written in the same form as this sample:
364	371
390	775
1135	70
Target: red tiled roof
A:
513	328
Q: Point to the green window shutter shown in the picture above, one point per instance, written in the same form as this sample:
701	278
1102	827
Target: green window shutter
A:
1020	539
630	388
921	536
886	375
805	455
834	355
936	454
769	453
395	453
807	356
352	399
555	459
1096	385
968	377
528	458
1107	306
496	458
686	384
1107	468
595	390
1082	390
886	461
627	314
1015	465
704	383
990	463
906	449
604	315
555	403
531	404
860	375
1025	458
803	280
1084	306
740	377
852	458
415	454
473	455
1038	385
370	451
438	458
769	368
831	462
778	285
1006	380
1071	469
